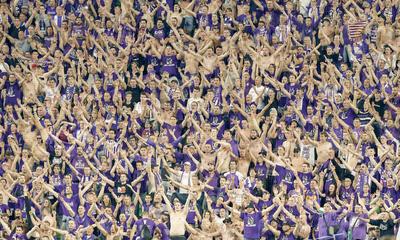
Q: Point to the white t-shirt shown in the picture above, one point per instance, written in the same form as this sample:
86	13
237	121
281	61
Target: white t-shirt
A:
258	91
308	153
185	179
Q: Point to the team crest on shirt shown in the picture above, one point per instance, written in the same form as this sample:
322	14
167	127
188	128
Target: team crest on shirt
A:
288	177
121	190
250	221
383	227
305	180
10	92
79	164
169	62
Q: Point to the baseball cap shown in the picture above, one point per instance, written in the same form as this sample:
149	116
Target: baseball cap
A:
173	79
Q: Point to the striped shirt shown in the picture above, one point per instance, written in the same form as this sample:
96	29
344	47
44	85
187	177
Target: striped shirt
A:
365	117
356	29
112	145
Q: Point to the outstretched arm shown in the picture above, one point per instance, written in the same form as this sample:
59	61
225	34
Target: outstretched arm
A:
166	200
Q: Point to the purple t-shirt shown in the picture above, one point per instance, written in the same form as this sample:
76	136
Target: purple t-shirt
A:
140	225
286	176
13	92
325	221
251	224
348	116
73	202
164	231
358	227
169	64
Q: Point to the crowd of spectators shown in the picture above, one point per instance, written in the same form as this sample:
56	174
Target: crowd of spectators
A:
202	119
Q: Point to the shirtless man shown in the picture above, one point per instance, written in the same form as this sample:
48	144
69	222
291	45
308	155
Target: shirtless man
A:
385	33
324	148
265	56
191	57
210	60
255	145
29	85
177	216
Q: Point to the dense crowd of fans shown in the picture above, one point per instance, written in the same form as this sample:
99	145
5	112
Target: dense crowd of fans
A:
202	119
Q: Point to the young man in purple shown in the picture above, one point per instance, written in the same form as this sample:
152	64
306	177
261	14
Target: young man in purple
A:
251	220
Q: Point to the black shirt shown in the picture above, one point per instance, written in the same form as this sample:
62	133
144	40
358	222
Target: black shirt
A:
136	92
13	30
386	228
378	105
121	189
